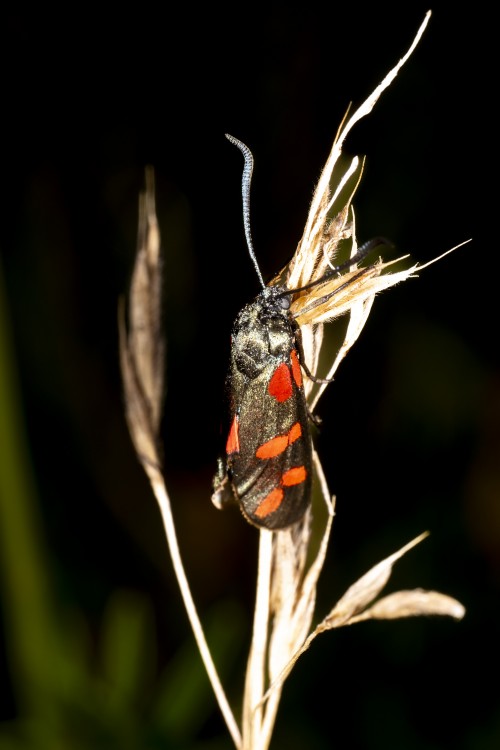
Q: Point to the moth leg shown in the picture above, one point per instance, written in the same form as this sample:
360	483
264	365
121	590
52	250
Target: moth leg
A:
298	341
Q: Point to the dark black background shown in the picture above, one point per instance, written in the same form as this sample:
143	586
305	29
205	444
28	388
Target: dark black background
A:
411	426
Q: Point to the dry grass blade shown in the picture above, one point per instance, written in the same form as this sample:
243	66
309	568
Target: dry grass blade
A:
142	353
295	580
146	336
285	615
302	267
413	603
353	606
363	592
142	348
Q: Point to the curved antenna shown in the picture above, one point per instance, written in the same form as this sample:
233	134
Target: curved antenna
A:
245	192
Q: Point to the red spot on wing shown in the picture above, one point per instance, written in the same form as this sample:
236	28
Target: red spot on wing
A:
294	433
281	388
273	447
296	371
295	475
270	503
280	443
233	439
280	385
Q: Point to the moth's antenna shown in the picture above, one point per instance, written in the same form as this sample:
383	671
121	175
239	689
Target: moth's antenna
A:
245	192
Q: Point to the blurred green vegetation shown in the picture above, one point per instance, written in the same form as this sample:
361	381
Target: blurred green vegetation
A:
68	695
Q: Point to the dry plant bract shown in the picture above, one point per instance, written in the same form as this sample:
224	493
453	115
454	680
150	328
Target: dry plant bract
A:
288	567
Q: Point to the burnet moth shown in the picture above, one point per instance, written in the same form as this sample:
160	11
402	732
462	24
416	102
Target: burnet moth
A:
267	466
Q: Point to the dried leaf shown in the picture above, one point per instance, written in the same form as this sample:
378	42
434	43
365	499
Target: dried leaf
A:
363	592
412	604
293	609
352	607
294	585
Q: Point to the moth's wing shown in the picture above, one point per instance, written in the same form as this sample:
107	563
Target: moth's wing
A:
271	470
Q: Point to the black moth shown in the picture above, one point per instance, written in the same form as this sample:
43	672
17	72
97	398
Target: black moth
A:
267	467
